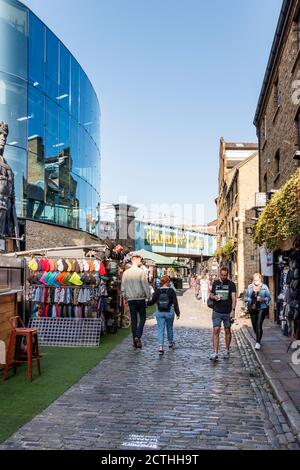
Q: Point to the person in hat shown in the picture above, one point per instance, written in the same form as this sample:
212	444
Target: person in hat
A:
135	290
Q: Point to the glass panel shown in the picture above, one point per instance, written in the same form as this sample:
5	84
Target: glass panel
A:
64	132
35	194
64	79
82	158
36	123
17	159
52	187
52	146
4	279
74	88
13	37
36	52
51	65
13	108
75	201
74	150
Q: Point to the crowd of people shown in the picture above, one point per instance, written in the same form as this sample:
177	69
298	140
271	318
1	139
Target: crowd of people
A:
217	292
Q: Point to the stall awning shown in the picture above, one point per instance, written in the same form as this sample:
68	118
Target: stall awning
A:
157	259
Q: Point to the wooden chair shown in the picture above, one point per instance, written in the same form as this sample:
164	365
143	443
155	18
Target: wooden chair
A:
15	354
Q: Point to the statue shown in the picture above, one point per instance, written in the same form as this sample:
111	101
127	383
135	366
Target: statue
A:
8	216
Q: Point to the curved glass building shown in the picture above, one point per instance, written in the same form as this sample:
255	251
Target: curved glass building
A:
54	121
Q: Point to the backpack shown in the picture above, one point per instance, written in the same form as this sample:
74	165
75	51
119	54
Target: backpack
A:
164	302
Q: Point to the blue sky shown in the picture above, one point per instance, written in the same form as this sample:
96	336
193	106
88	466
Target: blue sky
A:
172	77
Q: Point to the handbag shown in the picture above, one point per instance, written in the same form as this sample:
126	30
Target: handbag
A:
210	303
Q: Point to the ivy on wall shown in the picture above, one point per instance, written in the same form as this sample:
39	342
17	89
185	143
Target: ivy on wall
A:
280	220
226	250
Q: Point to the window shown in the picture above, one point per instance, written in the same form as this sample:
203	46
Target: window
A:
36	123
277	96
277	162
13	109
298	29
13	38
265	183
64	78
263	131
36	68
298	129
51	65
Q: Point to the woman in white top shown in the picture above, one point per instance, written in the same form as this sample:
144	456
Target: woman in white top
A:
204	283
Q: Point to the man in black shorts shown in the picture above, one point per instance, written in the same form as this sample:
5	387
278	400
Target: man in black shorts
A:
223	293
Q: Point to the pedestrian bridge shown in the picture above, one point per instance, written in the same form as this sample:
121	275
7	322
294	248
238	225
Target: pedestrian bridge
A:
174	241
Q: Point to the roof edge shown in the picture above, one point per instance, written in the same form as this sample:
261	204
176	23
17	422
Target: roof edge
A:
284	13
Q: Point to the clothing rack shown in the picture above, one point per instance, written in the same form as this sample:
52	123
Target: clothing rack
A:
84	286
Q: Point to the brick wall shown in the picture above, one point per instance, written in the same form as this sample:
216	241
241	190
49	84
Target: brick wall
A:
281	129
40	235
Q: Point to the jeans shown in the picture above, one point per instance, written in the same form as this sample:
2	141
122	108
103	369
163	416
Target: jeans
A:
164	319
257	319
137	307
204	295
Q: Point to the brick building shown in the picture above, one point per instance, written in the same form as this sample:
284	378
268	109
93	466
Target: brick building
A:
277	117
238	183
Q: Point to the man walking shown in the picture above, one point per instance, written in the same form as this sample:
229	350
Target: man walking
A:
223	293
135	289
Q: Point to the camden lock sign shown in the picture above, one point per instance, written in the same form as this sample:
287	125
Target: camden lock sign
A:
173	239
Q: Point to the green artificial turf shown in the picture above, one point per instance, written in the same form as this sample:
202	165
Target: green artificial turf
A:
21	400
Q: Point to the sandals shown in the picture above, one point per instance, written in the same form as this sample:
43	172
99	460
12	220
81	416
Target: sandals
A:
172	345
161	351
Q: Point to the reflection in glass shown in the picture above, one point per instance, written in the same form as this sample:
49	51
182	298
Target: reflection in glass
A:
13	37
35	189
51	65
17	159
36	123
53	115
52	145
36	68
64	78
74	89
13	108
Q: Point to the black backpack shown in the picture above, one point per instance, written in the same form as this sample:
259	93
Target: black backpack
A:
164	302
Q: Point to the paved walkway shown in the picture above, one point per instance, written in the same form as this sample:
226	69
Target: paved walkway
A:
136	400
281	365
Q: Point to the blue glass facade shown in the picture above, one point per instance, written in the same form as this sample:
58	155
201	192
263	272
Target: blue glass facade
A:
54	119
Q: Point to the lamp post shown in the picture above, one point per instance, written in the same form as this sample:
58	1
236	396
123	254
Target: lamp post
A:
201	251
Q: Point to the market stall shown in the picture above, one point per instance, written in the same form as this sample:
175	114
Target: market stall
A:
11	297
72	295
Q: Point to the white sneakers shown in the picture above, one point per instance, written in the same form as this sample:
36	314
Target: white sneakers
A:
214	357
257	346
226	355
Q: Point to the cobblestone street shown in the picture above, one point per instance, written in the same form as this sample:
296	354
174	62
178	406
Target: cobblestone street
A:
136	400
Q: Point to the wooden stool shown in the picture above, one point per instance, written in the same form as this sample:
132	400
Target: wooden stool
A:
15	355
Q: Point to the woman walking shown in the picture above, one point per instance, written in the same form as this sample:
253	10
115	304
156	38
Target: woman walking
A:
166	300
258	299
204	288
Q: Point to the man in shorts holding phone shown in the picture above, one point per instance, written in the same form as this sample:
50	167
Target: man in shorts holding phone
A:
223	293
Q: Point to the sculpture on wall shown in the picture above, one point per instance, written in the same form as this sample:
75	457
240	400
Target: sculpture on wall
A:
8	216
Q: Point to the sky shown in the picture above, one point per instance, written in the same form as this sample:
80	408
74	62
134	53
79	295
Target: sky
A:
172	77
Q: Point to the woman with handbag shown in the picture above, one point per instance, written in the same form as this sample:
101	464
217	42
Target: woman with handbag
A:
258	300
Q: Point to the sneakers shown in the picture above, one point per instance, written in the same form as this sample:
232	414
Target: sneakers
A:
257	346
226	355
137	343
214	357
